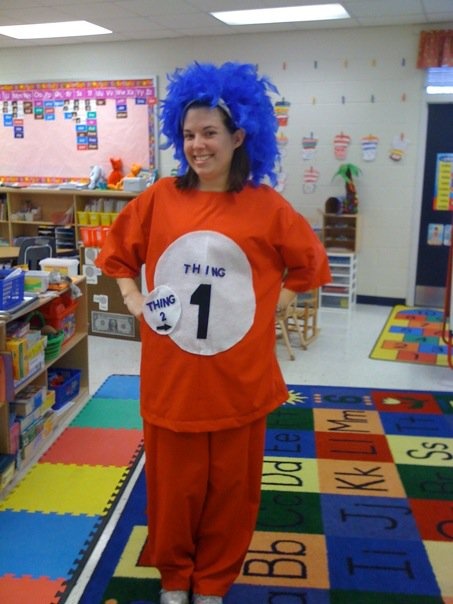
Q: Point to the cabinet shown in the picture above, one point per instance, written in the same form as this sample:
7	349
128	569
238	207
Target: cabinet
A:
341	232
341	292
73	355
29	212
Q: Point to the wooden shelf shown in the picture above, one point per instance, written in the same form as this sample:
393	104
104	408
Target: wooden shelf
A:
341	232
61	422
73	354
58	208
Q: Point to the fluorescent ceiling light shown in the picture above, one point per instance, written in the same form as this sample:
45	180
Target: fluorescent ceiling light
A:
286	14
64	29
439	89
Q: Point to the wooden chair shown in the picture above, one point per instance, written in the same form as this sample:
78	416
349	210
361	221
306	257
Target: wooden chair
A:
301	317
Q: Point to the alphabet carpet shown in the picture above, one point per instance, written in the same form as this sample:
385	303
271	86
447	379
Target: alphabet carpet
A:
356	507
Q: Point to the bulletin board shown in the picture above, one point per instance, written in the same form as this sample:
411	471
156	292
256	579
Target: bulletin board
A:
54	132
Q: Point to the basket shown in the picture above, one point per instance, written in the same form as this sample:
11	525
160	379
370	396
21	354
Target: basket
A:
68	386
54	340
53	347
11	290
60	313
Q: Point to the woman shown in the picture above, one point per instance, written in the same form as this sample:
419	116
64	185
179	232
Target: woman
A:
217	246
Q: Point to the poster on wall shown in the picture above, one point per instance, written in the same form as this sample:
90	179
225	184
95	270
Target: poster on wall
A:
55	132
443	184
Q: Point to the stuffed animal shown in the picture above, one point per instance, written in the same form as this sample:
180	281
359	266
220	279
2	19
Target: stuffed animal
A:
116	174
96	177
134	171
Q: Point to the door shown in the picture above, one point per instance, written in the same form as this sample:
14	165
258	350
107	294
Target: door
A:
435	224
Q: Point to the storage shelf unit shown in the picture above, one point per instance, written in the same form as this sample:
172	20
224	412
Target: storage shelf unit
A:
28	212
341	293
73	355
84	228
341	232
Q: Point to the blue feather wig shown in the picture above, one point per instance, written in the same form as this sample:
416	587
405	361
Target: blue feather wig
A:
246	97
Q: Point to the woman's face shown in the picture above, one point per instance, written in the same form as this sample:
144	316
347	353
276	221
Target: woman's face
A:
209	146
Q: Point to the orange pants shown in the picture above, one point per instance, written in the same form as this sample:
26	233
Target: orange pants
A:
203	498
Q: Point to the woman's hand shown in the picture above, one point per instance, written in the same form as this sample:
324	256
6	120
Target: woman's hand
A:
132	296
134	302
285	298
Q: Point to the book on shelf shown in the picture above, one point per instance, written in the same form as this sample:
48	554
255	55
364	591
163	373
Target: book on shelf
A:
6	376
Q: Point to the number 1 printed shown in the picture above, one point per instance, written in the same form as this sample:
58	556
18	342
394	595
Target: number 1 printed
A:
201	297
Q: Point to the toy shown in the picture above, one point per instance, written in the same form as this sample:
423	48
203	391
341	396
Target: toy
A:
348	172
96	177
116	174
134	172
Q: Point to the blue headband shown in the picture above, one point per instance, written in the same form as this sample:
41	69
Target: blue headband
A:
242	94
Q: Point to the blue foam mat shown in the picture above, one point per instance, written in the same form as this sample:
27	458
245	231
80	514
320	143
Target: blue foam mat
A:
120	386
39	544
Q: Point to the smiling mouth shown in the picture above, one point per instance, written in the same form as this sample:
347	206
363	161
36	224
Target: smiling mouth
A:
201	158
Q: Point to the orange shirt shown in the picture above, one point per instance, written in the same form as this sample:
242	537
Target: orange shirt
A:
215	262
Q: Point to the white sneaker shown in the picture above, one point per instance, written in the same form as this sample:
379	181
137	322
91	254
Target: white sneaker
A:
199	599
174	597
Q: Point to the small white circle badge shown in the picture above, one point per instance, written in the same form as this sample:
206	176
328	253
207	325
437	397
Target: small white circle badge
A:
162	310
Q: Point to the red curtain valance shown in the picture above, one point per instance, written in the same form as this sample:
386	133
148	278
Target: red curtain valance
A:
435	49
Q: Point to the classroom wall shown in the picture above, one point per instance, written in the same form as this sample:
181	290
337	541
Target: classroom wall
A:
358	82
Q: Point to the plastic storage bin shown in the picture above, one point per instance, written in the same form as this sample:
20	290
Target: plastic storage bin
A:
88	236
65	383
60	313
36	282
65	266
11	289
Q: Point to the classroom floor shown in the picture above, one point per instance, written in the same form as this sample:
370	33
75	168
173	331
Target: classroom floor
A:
338	357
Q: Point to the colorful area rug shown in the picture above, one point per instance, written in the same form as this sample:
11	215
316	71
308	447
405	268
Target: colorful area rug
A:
356	507
412	335
56	513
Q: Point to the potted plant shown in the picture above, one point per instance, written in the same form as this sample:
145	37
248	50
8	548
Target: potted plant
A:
348	172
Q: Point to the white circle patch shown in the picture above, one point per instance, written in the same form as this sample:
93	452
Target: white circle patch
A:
211	277
162	310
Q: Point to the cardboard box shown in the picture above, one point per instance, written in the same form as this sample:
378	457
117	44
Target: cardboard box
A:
134	184
18	348
4	428
7	469
28	400
49	400
14	437
28	420
49	423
